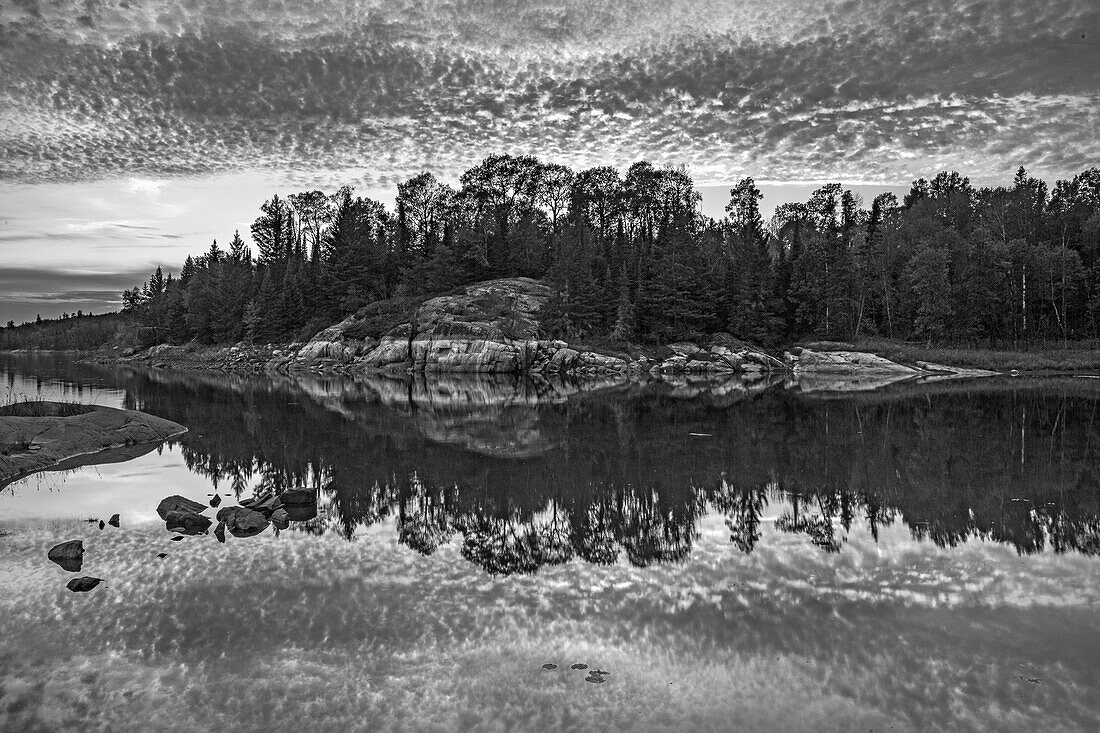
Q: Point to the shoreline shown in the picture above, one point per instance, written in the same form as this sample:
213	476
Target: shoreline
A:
899	357
815	367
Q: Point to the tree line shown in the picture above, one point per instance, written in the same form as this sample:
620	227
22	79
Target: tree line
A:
631	258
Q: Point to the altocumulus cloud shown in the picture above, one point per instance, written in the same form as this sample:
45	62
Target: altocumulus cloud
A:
875	90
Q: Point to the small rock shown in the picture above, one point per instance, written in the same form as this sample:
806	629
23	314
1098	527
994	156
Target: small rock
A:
549	666
216	501
162	555
69	555
113	521
83	585
595	678
219	532
280	518
177	538
101	525
578	666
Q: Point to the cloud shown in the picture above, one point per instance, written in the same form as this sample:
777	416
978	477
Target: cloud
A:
869	90
14	279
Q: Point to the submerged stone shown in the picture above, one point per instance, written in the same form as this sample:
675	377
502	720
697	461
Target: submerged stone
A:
83	585
69	555
179	504
186	522
242	521
280	518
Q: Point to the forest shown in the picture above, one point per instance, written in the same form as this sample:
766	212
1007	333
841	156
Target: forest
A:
631	259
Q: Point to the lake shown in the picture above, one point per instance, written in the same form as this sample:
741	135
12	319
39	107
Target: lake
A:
734	556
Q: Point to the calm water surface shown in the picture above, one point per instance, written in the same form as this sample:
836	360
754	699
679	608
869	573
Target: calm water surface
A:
737	557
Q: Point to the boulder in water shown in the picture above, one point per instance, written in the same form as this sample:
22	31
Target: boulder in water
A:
186	522
242	521
69	555
113	521
179	504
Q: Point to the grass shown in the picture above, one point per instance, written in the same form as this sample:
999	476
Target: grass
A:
42	408
1038	358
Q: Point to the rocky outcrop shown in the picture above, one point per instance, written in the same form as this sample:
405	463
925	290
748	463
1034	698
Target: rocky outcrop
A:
723	356
954	372
807	361
487	327
54	436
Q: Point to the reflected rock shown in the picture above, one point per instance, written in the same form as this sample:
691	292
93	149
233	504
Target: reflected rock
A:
265	505
299	505
242	521
69	555
179	504
114	520
186	522
298	497
300	512
83	585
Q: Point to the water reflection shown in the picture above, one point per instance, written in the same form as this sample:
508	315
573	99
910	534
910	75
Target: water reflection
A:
526	473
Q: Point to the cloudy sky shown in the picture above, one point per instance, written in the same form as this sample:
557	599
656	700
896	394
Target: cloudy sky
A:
134	131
